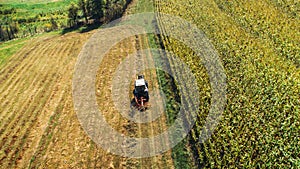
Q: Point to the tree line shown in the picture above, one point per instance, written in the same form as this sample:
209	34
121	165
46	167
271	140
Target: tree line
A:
95	11
83	12
8	29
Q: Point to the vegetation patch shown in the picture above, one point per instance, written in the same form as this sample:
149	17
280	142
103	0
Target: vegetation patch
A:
19	19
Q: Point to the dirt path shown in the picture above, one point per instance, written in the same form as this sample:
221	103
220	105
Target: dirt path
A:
105	101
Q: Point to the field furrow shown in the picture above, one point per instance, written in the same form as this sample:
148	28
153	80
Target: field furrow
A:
160	125
28	94
144	129
14	62
47	69
40	157
33	111
21	79
27	89
44	114
39	127
63	105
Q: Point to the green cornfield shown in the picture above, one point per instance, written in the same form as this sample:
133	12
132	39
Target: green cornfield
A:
258	43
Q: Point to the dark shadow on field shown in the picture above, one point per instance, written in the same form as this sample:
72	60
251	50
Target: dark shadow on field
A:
82	28
90	27
68	30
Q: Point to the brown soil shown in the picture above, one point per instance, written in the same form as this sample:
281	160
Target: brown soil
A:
39	127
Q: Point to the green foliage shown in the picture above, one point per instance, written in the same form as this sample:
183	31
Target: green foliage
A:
7	49
34	17
96	9
31	10
260	124
8	30
5	53
27	19
73	14
278	28
292	8
54	25
83	7
146	6
27	1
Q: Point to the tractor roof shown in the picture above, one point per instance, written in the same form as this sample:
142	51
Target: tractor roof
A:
140	82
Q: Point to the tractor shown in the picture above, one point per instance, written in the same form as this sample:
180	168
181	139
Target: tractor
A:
141	93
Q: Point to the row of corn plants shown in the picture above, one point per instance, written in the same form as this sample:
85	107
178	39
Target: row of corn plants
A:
291	8
260	125
272	25
180	153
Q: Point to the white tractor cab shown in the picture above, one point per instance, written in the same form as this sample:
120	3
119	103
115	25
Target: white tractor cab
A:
140	91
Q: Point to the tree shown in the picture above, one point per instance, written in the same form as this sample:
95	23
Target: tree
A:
114	9
10	30
88	8
73	14
2	37
54	25
82	5
96	9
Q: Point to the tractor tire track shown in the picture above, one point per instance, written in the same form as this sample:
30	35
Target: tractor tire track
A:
159	125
